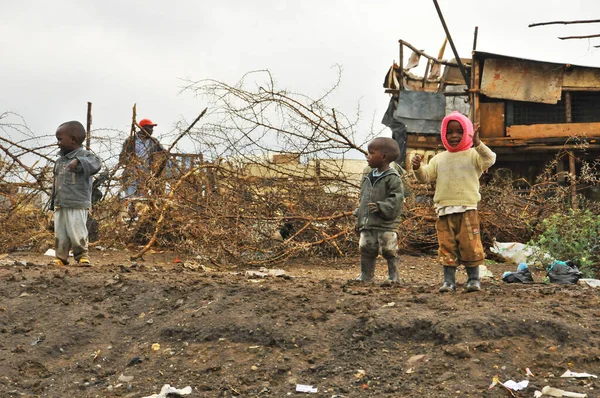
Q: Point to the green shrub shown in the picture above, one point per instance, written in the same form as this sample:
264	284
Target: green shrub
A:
573	236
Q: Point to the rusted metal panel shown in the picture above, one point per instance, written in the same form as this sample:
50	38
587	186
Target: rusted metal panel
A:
554	130
492	119
580	77
522	80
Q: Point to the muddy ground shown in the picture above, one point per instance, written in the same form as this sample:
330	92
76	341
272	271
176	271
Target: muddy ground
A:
123	329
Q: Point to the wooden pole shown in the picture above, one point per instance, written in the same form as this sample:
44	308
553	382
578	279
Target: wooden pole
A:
475	38
401	76
573	178
463	71
88	136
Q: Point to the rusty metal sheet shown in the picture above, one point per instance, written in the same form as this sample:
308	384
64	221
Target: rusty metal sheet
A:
582	77
522	80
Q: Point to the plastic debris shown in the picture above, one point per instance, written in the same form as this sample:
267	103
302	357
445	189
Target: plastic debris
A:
589	282
125	379
264	272
513	385
568	373
528	372
484	272
556	392
168	391
52	253
563	272
523	275
155	347
306	388
517	253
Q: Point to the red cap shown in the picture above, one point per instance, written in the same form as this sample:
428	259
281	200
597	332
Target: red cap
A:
146	122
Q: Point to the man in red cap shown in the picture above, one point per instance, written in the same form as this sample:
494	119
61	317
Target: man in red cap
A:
138	154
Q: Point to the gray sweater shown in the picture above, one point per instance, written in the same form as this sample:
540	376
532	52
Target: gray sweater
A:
74	189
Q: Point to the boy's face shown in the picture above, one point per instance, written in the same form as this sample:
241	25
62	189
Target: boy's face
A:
454	133
66	141
376	157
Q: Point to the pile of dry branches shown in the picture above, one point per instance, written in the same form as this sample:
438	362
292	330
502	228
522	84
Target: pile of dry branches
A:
237	205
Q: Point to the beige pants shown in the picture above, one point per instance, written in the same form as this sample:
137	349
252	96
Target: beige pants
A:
70	233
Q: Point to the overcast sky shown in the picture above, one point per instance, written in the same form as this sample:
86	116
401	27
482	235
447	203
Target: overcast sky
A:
58	55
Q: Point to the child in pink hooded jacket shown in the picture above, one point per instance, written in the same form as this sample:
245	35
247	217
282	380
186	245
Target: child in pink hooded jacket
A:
456	173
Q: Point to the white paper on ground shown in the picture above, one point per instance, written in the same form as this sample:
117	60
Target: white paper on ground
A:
305	388
52	253
568	373
167	389
513	385
589	282
557	392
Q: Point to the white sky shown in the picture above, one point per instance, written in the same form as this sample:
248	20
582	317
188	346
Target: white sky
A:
58	55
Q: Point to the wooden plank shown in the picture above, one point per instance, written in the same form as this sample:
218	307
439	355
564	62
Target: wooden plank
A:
554	130
492	119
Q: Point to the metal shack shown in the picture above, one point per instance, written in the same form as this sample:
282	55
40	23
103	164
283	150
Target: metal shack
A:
529	111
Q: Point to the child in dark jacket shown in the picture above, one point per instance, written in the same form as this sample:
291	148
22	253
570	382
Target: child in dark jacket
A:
456	174
72	193
379	210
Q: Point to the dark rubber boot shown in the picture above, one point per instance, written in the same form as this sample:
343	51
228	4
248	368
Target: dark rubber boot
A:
449	280
367	269
473	284
393	270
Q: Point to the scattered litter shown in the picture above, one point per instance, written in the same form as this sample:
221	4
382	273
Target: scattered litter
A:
484	272
523	275
125	379
155	347
101	248
390	304
556	392
496	381
568	373
264	272
563	272
194	266
528	372
168	391
52	253
360	374
306	388
517	253
410	370
513	385
589	282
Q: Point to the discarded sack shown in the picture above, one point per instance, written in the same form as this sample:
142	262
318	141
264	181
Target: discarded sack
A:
523	275
564	272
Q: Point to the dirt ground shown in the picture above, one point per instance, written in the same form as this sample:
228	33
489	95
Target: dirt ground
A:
124	329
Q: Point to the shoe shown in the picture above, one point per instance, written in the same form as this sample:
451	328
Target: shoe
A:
473	284
58	262
84	262
367	269
449	280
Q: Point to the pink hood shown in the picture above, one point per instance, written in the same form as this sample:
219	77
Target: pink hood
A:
467	139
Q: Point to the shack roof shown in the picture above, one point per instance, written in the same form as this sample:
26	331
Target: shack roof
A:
482	55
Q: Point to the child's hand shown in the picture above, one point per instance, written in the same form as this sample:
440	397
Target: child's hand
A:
476	140
72	166
416	161
373	207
